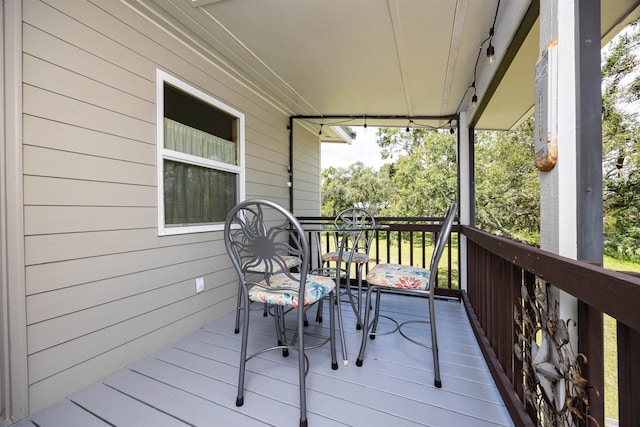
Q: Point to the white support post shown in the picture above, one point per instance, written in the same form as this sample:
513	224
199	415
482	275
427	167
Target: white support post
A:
465	166
558	201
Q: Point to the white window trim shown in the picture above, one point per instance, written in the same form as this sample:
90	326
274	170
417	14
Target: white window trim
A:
162	153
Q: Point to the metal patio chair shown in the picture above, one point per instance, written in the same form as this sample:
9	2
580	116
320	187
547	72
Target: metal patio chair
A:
261	235
407	280
353	247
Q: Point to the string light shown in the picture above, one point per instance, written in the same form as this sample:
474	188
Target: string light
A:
320	121
451	131
474	98
490	55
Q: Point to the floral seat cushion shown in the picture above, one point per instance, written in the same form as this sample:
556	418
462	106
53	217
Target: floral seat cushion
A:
261	266
358	257
399	276
316	288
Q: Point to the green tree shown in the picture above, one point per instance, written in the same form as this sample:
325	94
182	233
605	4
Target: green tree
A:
423	178
621	146
357	185
508	184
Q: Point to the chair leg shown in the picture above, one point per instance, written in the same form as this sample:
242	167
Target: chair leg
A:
374	328
332	331
434	341
243	351
359	313
365	323
302	367
280	329
238	308
357	309
319	312
345	358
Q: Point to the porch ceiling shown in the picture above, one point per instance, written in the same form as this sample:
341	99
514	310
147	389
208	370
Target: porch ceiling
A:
373	57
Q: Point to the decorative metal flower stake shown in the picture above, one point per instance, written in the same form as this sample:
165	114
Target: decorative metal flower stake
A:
553	384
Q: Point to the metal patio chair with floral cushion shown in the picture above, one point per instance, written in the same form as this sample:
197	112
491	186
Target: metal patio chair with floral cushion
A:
289	263
353	247
407	280
262	235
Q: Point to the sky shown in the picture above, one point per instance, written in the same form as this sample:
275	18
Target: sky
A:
363	148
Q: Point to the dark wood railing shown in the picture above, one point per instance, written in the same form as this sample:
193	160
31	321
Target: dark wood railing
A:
497	270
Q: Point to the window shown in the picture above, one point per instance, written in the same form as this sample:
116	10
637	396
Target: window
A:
200	158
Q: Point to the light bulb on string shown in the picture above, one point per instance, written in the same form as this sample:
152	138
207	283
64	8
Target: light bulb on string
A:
491	53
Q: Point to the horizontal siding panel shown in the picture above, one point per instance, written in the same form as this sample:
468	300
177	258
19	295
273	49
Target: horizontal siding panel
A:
268	191
40	190
303	186
257	165
63	164
51	276
267	154
49	134
74	219
268	137
48	391
56	359
49	105
59	330
52	78
61	247
56	51
79	32
279	180
60	302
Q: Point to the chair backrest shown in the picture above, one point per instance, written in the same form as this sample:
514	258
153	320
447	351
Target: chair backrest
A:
357	217
441	242
261	235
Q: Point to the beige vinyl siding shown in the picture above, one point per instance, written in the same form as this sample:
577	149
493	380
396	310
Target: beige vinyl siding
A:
306	169
103	289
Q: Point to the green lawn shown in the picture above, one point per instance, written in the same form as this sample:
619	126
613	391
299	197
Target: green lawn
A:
610	349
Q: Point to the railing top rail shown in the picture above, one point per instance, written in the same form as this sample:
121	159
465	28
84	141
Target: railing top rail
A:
384	219
611	292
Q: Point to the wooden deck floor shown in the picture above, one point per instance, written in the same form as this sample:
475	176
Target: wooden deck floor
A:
193	382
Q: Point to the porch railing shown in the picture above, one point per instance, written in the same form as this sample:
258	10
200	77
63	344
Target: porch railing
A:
407	240
498	269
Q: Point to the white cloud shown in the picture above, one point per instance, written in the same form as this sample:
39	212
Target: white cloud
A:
364	148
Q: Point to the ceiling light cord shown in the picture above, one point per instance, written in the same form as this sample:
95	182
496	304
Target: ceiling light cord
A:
491	52
490	55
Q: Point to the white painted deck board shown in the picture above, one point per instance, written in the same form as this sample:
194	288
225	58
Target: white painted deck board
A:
193	382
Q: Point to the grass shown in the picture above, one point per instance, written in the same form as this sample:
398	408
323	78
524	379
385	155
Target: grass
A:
610	346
